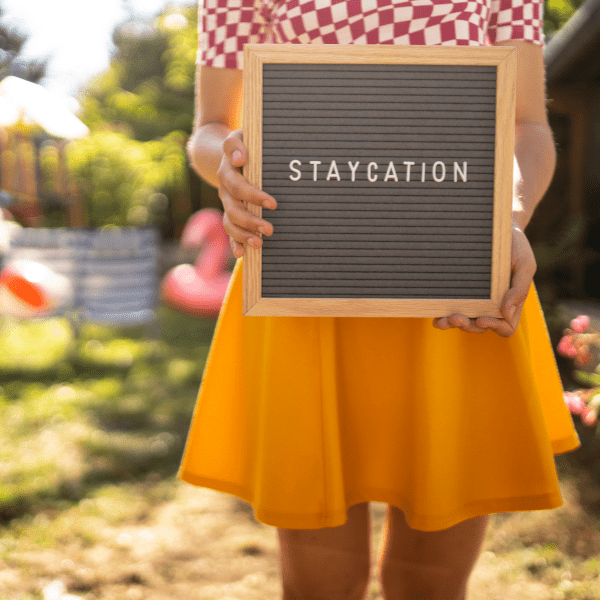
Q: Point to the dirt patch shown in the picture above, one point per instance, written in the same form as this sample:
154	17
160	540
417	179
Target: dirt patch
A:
170	540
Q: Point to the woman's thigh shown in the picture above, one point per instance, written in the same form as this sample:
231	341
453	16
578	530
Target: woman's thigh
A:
328	563
437	563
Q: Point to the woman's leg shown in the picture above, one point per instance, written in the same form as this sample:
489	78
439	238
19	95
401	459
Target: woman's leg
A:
328	564
428	565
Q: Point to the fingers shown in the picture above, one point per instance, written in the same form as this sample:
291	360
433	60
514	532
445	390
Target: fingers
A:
522	270
479	325
236	248
500	326
232	181
238	215
459	321
240	235
239	223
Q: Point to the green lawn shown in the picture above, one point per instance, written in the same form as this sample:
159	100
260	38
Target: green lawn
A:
94	426
103	404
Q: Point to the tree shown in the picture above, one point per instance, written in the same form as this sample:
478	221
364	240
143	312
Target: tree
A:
149	86
11	45
125	182
557	13
147	96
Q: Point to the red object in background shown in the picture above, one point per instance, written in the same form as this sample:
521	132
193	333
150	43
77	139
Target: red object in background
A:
199	289
28	292
31	289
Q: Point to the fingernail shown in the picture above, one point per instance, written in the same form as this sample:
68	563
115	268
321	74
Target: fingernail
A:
511	312
237	155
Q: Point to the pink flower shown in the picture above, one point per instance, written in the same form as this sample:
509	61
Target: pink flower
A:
566	347
580	324
589	416
568	399
574	403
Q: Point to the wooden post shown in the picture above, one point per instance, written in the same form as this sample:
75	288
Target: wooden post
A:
573	100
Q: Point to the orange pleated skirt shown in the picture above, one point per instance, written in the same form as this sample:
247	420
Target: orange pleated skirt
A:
303	417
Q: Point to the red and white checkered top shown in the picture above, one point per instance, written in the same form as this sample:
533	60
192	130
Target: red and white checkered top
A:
226	25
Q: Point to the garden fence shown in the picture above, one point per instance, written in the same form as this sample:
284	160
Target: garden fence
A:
113	270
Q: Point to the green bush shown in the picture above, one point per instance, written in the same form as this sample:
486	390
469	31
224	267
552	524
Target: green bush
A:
126	182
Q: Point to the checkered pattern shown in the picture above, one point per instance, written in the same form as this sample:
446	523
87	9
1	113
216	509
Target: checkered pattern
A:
226	25
516	20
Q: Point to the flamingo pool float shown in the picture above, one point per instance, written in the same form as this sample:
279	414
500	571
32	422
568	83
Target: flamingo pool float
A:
199	289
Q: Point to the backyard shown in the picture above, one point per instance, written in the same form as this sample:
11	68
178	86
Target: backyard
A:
91	508
95	417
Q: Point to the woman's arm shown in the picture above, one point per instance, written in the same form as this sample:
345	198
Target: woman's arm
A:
217	153
535	159
535	154
217	94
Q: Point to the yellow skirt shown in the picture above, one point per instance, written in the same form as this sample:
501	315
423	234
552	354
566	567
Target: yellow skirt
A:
303	417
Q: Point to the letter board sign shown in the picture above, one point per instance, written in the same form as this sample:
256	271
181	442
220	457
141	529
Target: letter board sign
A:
392	169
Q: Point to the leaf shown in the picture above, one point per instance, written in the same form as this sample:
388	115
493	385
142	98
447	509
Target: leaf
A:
589	379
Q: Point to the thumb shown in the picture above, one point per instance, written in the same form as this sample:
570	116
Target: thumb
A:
517	294
234	148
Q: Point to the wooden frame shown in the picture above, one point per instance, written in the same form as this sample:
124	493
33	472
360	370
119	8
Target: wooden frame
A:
503	58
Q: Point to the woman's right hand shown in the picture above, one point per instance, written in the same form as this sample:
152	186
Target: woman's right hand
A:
242	226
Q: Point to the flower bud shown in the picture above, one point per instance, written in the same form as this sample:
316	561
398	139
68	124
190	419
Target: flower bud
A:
574	403
566	347
589	416
580	323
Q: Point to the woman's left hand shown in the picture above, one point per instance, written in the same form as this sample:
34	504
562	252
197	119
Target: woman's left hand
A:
523	267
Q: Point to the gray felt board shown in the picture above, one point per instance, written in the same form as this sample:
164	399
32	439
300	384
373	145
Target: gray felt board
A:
384	176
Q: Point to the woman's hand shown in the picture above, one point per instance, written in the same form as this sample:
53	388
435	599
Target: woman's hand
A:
522	271
241	226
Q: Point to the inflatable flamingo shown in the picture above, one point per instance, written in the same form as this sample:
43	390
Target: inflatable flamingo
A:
200	289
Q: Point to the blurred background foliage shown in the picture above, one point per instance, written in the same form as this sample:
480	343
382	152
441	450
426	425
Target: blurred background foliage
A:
133	168
557	13
11	62
148	89
128	182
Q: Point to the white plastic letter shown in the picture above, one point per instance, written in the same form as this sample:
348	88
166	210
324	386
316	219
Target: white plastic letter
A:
353	168
391	172
408	164
462	173
434	171
314	163
422	171
333	171
296	171
371	164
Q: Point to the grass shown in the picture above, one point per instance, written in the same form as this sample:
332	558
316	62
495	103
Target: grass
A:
103	405
94	427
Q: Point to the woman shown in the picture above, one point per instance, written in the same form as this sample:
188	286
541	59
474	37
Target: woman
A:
309	419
